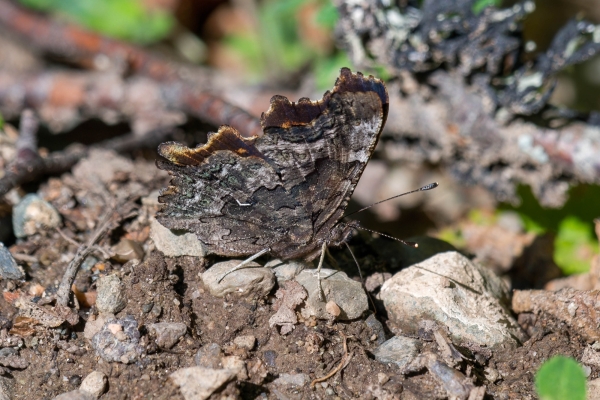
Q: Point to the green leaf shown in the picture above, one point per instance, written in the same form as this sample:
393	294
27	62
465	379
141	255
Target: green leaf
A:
574	245
123	19
561	378
327	15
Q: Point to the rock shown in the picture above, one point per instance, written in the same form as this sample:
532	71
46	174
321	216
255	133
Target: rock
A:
253	280
197	383
245	342
118	340
287	270
399	350
175	244
167	333
95	384
75	395
270	358
127	250
111	295
590	357
8	266
593	389
94	326
209	356
236	364
292	380
452	290
33	215
579	310
6	388
376	327
332	309
337	287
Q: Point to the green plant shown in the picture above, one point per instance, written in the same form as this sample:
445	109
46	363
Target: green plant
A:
122	19
575	242
560	378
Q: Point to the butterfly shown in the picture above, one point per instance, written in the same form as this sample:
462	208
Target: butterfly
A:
283	193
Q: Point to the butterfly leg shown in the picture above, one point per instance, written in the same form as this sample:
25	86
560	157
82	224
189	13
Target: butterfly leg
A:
320	288
243	263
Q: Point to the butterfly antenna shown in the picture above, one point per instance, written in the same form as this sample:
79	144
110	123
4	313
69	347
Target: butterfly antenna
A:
421	189
357	226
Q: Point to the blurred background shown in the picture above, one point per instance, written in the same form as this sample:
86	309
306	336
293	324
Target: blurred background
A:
288	47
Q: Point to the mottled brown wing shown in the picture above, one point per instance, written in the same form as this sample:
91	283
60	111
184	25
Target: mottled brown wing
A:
285	190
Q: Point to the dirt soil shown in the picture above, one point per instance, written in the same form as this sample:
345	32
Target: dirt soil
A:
162	289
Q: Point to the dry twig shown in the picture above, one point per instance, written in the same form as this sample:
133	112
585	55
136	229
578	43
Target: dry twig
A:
343	362
61	161
108	222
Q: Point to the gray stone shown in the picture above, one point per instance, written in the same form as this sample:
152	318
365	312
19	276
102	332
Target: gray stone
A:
287	270
175	244
95	384
8	266
252	280
75	395
451	290
111	294
398	350
167	333
197	383
6	388
376	327
245	342
209	356
33	215
292	380
118	340
337	287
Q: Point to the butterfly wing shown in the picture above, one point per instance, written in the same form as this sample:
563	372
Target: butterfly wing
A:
285	190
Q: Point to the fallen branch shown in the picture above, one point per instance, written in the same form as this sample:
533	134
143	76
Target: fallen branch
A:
179	86
61	161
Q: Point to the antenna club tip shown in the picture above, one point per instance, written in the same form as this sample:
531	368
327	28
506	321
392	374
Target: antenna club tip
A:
430	186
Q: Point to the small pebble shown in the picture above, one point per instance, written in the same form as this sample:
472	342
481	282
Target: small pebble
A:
209	356
127	250
111	348
175	245
95	384
252	280
382	378
245	342
197	383
34	215
146	308
270	357
167	333
8	266
399	350
292	380
111	295
73	395
332	308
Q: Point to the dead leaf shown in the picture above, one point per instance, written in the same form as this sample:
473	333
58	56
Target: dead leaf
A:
85	299
23	326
